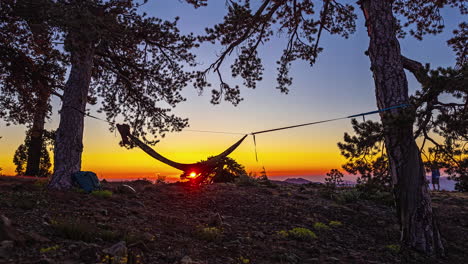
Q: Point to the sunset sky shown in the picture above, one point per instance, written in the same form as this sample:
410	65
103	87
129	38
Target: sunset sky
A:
339	84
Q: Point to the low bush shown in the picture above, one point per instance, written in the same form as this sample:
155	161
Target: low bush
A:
335	223
321	226
102	193
209	234
298	233
393	248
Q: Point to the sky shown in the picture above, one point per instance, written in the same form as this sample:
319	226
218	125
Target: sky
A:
339	84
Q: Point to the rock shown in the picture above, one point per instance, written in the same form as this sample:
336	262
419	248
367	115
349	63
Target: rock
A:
118	252
148	237
137	203
89	255
104	212
126	189
5	248
35	237
187	260
8	232
45	261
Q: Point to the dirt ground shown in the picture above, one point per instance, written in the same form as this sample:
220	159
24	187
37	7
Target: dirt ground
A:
219	223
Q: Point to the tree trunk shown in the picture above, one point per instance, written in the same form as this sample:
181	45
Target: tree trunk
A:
69	137
419	229
36	133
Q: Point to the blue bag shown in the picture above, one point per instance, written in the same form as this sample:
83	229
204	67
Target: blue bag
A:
87	180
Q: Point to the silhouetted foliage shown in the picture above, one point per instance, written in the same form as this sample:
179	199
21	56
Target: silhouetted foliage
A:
334	179
21	156
247	26
366	155
443	112
31	69
226	170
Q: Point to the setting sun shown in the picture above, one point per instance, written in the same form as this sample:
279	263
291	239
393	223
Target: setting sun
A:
193	174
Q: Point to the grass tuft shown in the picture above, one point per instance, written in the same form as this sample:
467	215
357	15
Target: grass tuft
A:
298	233
102	193
321	226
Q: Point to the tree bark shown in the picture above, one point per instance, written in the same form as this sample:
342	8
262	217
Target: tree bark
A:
69	137
419	229
37	133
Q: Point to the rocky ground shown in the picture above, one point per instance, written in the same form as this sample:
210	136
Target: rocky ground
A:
220	223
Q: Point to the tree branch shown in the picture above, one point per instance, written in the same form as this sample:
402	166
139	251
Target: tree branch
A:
416	68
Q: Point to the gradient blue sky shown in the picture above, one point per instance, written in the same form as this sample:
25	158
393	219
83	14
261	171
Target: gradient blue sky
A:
339	84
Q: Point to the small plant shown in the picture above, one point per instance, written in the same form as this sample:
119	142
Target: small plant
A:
335	223
209	233
298	233
321	226
49	249
243	260
393	248
282	233
102	193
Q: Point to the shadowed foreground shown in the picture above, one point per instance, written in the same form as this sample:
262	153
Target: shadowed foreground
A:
220	223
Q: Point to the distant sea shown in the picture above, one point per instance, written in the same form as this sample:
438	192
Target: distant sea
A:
445	183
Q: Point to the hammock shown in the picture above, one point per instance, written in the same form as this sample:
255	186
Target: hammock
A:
199	168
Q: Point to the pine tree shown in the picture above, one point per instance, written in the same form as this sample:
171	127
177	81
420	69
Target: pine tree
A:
244	29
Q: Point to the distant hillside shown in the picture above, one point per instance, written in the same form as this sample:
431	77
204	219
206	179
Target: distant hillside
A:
297	180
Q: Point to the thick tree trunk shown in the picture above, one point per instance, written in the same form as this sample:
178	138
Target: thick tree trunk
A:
69	137
419	229
36	134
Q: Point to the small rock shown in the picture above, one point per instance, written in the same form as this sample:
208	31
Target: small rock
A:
8	232
5	248
126	189
137	203
118	251
37	238
186	260
148	237
89	255
44	261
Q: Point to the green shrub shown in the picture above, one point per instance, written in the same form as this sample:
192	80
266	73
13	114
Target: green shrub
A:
49	249
209	234
393	248
282	233
102	193
321	226
335	223
298	233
